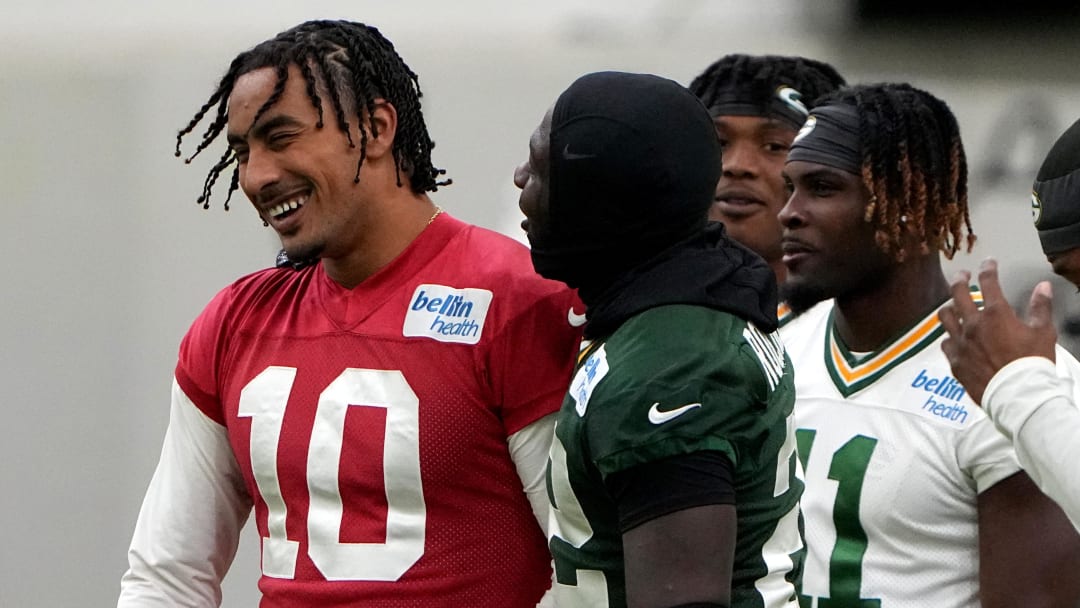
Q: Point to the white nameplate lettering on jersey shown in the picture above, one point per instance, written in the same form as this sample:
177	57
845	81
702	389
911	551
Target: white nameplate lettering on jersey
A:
587	377
769	351
940	398
446	314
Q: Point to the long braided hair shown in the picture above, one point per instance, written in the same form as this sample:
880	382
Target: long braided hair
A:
758	76
913	166
357	65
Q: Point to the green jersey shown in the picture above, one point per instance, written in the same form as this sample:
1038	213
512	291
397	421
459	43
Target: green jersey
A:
674	380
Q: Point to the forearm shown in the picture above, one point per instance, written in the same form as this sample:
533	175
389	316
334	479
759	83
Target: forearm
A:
1033	406
681	558
189	525
678	521
529	450
1029	551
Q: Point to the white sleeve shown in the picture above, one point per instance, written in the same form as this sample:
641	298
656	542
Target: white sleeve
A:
1032	402
529	449
189	525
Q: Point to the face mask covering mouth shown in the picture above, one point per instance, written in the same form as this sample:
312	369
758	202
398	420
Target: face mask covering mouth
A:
634	164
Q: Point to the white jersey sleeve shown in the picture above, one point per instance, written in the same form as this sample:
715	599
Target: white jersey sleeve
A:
529	449
189	525
1033	402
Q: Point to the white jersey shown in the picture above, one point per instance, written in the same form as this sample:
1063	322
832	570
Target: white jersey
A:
895	455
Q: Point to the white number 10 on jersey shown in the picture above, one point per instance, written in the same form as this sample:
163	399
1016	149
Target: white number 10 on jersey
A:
264	400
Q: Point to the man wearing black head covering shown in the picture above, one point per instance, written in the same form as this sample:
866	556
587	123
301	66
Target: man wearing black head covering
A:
672	471
1013	367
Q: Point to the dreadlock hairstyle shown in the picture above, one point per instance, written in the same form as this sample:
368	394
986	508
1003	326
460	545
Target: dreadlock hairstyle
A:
913	166
758	76
354	65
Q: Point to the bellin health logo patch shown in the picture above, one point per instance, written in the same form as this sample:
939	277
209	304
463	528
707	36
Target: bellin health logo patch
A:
447	314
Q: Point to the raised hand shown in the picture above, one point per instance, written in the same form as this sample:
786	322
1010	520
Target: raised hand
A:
981	342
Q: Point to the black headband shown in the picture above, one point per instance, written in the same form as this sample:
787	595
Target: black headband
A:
1055	196
784	105
830	136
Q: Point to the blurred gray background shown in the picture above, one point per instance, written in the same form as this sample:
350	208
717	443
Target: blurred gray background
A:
107	258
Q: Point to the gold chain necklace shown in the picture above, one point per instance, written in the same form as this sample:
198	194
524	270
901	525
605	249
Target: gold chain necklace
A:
438	210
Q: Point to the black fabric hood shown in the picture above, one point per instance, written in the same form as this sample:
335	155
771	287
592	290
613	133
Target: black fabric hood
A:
634	161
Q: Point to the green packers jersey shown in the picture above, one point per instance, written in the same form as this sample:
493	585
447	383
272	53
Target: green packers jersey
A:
675	380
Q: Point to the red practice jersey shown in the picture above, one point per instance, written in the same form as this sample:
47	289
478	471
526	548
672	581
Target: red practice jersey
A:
371	424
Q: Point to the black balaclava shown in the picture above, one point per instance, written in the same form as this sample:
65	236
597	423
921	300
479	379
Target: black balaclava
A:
634	162
1055	195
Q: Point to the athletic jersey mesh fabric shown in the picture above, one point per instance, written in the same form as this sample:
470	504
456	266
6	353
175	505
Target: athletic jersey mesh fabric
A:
634	399
371	424
895	454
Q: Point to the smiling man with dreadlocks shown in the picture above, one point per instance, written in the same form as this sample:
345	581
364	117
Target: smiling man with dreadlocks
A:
912	497
386	408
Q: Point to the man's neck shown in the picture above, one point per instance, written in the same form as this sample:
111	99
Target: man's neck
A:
867	321
394	226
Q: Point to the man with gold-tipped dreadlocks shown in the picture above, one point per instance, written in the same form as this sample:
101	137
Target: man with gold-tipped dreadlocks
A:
912	497
386	409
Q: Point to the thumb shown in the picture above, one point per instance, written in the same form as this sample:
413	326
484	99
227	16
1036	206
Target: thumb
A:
1040	308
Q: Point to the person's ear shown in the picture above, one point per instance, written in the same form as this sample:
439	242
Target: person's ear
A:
383	119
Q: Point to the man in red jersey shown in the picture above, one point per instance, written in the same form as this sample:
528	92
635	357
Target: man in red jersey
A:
386	409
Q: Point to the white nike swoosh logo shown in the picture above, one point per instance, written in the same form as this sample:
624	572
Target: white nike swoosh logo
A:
660	417
574	319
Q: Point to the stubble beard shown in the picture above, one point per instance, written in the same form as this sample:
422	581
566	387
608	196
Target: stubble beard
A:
802	296
304	251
